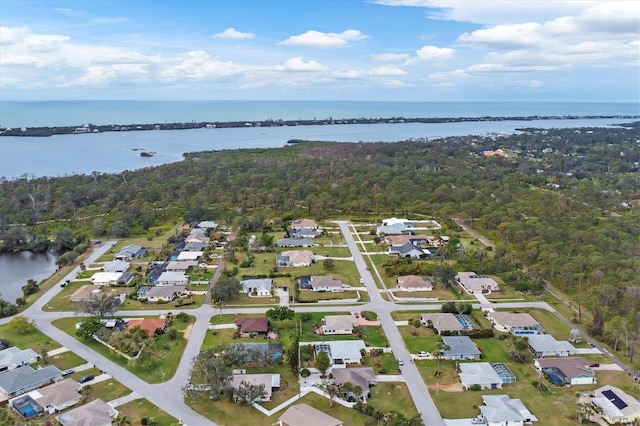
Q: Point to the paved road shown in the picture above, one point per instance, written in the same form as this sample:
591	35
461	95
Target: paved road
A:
419	392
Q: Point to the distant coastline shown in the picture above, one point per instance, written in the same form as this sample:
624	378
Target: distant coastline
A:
45	131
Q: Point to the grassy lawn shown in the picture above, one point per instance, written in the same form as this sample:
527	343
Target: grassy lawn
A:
108	390
165	361
33	339
393	396
385	364
226	413
245	299
314	296
66	360
141	408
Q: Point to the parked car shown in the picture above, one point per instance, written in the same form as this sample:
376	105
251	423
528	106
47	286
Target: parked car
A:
86	379
422	354
400	362
65	283
68	371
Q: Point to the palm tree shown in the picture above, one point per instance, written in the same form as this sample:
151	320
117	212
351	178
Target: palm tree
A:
121	421
440	347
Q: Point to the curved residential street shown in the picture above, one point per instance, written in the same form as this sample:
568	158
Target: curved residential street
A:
169	396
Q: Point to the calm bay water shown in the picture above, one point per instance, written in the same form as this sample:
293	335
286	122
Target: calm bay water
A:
112	152
17	268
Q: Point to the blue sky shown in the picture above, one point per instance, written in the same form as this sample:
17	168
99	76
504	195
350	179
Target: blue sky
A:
389	50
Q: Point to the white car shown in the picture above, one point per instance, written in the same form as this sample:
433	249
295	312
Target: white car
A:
400	362
422	354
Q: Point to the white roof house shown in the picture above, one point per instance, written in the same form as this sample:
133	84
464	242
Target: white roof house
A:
325	283
304	223
342	351
208	224
479	373
116	266
474	283
441	322
173	277
165	293
515	323
13	357
543	345
460	347
271	382
414	283
295	258
500	410
257	287
616	405
105	278
394	221
189	255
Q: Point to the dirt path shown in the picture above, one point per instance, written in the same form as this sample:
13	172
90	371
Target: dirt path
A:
187	332
451	387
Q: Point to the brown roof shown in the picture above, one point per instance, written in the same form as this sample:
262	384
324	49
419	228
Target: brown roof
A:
357	376
513	320
305	415
414	281
60	393
442	321
253	325
570	367
149	324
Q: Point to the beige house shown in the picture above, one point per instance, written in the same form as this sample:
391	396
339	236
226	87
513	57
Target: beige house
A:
295	258
616	406
474	283
271	382
94	413
441	322
306	415
413	283
338	324
56	397
516	324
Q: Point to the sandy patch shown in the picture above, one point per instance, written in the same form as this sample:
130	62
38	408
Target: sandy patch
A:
452	387
187	332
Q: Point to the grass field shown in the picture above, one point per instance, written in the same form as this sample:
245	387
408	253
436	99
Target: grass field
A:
141	408
33	339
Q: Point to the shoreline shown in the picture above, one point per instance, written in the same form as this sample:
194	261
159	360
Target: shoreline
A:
47	131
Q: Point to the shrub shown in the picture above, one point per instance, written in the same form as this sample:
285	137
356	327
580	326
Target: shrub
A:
475	387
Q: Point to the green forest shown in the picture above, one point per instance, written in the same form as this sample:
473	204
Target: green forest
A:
562	206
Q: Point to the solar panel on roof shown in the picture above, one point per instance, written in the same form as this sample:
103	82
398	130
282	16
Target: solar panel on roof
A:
615	399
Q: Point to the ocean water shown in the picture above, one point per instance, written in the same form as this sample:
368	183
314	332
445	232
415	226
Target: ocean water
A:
75	113
112	152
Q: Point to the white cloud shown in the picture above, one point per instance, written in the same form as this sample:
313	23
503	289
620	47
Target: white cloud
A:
396	83
434	53
324	40
233	34
13	35
390	57
13	59
198	65
297	64
386	71
7	81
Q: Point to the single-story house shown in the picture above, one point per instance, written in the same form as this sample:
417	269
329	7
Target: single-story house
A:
407	250
304	223
253	326
164	293
460	347
295	258
257	287
479	373
567	371
304	233
194	246
94	413
500	410
86	292
105	278
24	379
294	242
394	230
180	266
207	224
516	324
197	236
116	266
52	398
442	322
474	283
413	283
544	345
342	351
152	325
325	283
130	252
394	221
13	357
271	382
306	415
125	278
172	277
616	406
363	377
189	255
338	324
